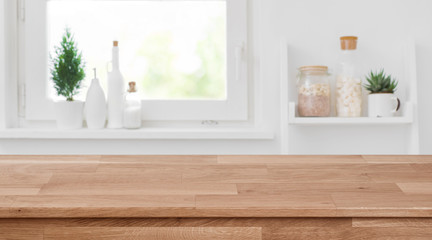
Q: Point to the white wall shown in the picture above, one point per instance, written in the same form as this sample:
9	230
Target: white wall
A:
312	28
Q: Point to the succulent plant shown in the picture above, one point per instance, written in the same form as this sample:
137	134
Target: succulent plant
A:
379	82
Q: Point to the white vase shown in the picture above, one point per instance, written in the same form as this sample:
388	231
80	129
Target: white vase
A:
69	115
95	106
383	105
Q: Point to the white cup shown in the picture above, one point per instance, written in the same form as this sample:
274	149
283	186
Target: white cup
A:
383	105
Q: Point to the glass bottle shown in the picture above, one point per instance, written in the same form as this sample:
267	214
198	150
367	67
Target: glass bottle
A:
348	81
132	108
313	91
115	91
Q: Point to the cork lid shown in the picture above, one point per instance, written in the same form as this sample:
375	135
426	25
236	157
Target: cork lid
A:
349	42
132	87
313	68
115	43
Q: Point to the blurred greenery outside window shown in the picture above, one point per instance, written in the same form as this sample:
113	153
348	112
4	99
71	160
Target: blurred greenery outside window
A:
172	49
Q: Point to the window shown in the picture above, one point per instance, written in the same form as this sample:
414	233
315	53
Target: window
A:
187	57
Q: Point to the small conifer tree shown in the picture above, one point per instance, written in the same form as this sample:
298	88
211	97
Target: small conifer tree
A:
67	70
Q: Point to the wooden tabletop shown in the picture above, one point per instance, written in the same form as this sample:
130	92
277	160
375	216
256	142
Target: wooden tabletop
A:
215	186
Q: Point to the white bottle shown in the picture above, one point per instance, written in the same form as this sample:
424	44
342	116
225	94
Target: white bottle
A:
115	91
132	108
95	105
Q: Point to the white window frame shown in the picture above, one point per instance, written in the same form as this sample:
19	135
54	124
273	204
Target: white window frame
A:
2	66
33	40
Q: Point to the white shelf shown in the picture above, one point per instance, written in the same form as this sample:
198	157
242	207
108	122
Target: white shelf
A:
349	121
293	119
292	124
139	134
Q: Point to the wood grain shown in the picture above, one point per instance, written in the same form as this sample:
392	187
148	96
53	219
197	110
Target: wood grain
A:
95	201
416	188
293	233
392	222
313	188
71	189
422	167
244	202
120	178
215	186
161	159
38	167
50	158
392	177
287	159
176	222
6	201
17	179
215	197
350	167
20	233
306	176
11	191
397	158
159	233
388	201
217	228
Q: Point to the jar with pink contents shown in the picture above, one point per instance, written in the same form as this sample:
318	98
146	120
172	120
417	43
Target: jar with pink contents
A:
313	91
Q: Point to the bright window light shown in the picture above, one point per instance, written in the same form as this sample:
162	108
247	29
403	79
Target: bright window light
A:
172	49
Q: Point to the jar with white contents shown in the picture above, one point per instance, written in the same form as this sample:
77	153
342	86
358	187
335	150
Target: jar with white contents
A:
132	108
348	82
313	91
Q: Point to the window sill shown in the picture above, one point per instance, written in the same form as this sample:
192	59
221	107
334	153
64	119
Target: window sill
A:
139	134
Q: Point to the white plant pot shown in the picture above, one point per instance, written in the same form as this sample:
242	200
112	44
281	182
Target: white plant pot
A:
383	105
69	115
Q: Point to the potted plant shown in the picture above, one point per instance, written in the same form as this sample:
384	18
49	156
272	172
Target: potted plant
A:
67	73
381	101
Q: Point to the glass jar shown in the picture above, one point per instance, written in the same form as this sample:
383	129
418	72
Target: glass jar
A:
348	82
313	91
132	108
